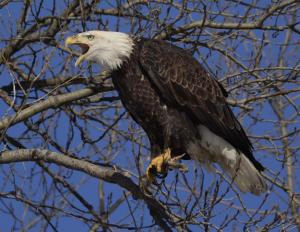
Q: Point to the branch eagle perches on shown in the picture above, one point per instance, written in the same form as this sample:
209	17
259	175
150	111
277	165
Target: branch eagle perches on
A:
108	174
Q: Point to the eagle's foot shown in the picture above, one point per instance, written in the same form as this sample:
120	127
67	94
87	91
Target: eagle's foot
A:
173	164
159	166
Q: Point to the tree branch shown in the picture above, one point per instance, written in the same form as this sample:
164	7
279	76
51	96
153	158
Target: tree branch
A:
52	102
157	210
258	24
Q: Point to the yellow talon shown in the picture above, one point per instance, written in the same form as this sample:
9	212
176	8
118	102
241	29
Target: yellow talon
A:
158	166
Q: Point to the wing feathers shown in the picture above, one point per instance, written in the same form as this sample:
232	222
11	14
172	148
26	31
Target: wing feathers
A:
184	83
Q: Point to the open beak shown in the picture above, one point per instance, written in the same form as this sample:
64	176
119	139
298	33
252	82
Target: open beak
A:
77	40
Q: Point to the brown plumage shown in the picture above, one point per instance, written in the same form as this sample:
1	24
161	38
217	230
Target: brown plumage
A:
159	74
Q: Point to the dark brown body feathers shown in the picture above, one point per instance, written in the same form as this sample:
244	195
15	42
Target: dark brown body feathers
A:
169	94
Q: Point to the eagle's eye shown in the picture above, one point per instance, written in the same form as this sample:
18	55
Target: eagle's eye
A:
90	37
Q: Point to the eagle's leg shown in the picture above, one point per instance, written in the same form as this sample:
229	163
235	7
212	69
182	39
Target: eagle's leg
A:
158	166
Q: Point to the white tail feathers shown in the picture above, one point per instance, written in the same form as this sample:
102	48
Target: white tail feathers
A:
212	148
245	175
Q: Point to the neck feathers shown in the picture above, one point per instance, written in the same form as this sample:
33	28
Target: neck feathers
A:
119	48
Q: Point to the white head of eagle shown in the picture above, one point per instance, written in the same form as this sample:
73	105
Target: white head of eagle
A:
106	48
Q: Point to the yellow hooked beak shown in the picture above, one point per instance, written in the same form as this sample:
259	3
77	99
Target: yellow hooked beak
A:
82	43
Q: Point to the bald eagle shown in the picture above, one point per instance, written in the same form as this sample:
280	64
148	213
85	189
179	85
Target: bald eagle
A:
181	108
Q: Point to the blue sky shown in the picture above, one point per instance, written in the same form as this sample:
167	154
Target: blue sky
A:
60	126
